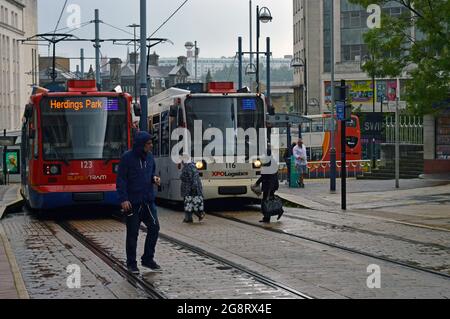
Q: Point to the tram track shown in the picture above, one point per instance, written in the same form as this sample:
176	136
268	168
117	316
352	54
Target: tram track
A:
78	233
112	262
335	246
257	276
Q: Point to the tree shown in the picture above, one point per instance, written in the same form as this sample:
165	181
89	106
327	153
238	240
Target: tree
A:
209	77
425	56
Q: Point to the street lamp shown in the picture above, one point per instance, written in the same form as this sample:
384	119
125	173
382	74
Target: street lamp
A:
368	63
298	63
263	16
250	69
189	46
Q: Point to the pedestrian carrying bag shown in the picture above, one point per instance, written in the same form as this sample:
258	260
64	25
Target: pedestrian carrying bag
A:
272	206
193	204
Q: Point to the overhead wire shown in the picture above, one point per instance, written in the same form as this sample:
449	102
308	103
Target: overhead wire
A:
170	17
232	67
80	26
117	28
60	15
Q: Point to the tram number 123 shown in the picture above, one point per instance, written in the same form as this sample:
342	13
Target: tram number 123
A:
86	164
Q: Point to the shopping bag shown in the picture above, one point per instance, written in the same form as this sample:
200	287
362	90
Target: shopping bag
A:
193	204
272	206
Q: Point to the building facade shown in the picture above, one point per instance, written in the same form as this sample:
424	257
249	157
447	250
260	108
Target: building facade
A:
312	46
161	77
18	62
216	64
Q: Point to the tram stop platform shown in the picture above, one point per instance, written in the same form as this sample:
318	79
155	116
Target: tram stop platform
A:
420	202
9	198
11	282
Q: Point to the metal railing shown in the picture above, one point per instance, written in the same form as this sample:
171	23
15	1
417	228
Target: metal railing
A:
321	169
411	130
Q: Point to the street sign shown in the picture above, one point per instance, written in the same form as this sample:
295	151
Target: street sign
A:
340	110
373	125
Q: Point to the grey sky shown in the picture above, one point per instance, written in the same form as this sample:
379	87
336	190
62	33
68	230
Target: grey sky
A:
215	24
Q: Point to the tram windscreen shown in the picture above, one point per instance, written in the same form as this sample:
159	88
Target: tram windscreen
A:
81	128
224	113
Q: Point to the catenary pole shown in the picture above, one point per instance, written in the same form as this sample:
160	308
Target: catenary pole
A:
333	128
143	124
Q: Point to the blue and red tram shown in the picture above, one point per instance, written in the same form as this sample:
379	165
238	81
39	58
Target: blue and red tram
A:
72	143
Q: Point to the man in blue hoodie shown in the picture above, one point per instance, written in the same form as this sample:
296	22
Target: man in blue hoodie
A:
134	184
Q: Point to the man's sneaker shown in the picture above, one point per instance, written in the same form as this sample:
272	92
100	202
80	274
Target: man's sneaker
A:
133	269
152	265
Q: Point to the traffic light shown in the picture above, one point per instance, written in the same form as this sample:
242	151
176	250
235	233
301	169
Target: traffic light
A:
343	106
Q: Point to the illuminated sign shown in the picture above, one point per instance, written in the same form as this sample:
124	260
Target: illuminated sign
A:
249	104
12	161
85	103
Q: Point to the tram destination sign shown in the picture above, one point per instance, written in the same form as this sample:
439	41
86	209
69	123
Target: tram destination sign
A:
77	104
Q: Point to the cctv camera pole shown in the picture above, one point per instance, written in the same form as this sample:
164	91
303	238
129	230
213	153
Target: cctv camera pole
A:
143	125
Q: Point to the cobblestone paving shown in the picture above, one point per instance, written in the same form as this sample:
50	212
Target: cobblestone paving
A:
301	263
44	250
416	246
185	274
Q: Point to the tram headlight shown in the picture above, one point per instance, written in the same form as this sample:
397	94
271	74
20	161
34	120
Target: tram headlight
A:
257	164
201	165
115	168
52	169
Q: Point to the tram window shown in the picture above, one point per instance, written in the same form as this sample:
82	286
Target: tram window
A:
317	125
306	127
35	139
328	124
165	134
316	153
156	138
180	117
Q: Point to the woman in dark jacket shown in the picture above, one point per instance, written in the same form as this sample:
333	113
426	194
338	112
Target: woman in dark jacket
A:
270	185
192	192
